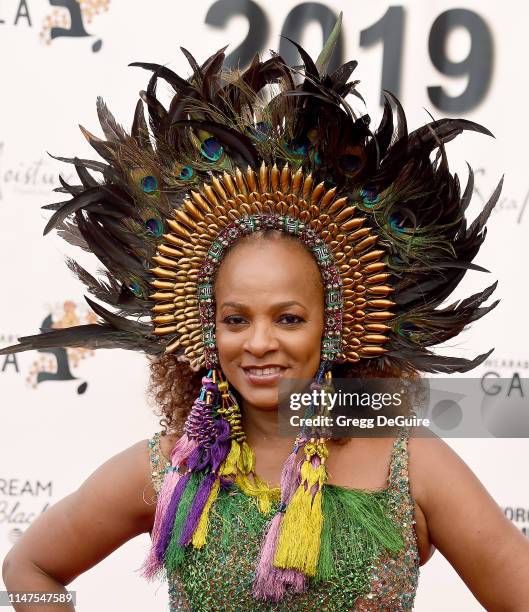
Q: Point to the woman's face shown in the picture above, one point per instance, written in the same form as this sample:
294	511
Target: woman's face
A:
269	317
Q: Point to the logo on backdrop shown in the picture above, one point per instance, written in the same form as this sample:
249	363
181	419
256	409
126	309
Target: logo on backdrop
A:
54	365
519	516
21	502
503	381
29	177
509	204
67	18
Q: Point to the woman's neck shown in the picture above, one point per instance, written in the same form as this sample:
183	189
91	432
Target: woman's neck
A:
261	428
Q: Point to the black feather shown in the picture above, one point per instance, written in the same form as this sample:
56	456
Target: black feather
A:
178	83
119	322
112	130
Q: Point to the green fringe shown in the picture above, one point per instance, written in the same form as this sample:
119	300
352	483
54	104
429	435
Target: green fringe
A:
175	553
355	526
325	569
228	508
364	515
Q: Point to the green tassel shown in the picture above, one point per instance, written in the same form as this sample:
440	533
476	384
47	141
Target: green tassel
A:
175	553
325	569
371	530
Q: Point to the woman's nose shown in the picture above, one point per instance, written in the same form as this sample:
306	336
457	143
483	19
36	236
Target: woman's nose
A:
261	339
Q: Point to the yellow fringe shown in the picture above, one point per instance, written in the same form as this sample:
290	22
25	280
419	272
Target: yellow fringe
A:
246	461
248	482
299	540
230	465
259	489
199	537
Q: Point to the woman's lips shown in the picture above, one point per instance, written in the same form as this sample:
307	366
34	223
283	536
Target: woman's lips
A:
263	376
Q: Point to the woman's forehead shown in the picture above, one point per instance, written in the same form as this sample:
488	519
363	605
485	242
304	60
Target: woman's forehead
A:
269	266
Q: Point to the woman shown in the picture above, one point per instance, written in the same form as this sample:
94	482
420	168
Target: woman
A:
329	254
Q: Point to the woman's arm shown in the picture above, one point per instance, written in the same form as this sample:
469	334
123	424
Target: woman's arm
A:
489	553
82	529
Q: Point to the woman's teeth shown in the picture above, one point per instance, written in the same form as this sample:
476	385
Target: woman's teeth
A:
264	371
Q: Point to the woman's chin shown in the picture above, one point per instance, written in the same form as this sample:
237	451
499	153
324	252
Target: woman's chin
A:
263	400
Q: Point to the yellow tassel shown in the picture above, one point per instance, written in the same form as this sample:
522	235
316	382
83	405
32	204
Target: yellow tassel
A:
199	537
314	542
256	487
248	482
246	463
230	465
299	540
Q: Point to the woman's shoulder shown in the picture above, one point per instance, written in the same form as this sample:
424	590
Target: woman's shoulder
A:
142	461
426	450
434	468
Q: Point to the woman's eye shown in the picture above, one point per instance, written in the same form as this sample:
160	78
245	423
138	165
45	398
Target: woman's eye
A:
291	319
234	320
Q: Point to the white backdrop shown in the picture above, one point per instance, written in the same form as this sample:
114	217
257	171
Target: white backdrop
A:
57	431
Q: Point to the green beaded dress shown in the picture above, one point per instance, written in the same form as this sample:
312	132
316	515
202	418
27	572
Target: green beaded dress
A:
366	576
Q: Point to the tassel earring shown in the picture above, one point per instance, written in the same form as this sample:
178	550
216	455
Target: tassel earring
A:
202	449
230	412
198	426
299	540
300	537
271	582
286	556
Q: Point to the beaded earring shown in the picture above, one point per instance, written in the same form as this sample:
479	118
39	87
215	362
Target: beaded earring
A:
291	546
212	453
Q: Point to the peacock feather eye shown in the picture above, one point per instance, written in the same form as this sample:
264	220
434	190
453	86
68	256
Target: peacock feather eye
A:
136	289
298	147
149	183
212	149
404	328
369	197
155	227
186	173
396	221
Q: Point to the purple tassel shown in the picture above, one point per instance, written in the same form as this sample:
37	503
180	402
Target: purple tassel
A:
167	526
218	453
271	582
179	455
196	461
196	449
195	512
290	475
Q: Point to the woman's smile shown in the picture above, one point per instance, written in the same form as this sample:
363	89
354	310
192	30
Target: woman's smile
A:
264	375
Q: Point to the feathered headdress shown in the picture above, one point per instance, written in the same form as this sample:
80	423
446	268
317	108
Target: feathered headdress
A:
233	147
243	152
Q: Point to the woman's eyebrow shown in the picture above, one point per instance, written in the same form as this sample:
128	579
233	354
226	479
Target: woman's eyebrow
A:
241	306
233	305
288	303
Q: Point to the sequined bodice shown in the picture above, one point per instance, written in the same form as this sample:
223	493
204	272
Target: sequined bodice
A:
220	575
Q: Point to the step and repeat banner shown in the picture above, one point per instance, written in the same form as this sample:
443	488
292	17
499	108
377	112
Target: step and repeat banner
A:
65	412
